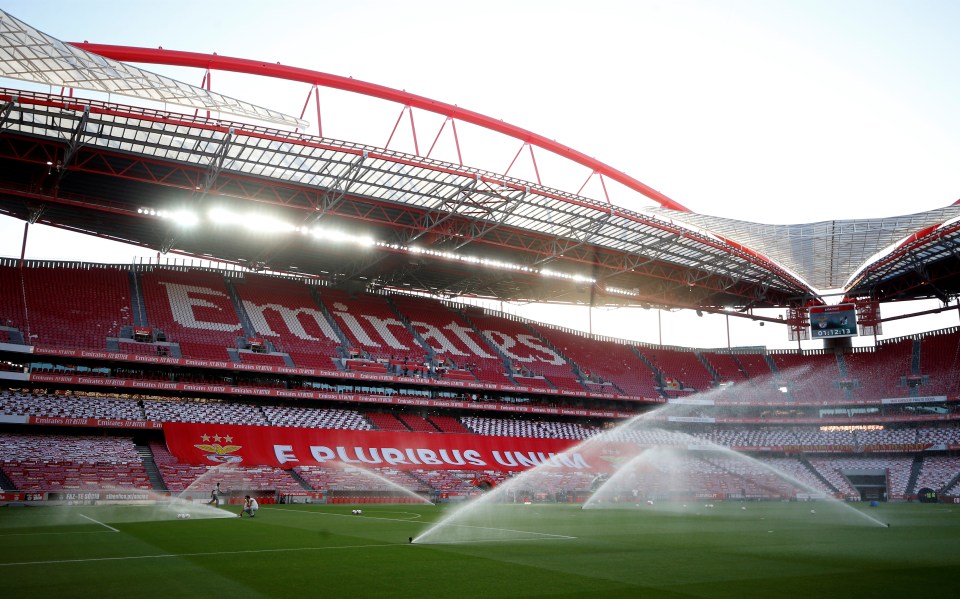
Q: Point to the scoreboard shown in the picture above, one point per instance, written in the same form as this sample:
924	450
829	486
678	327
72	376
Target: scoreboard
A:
833	321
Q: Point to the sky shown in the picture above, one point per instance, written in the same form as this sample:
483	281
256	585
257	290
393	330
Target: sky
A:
768	111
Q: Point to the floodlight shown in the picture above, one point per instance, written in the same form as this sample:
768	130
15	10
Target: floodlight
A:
221	215
265	224
184	218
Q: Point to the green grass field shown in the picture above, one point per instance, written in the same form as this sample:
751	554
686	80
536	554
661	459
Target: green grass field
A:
765	550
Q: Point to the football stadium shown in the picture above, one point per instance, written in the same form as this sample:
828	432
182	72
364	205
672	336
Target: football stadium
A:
305	382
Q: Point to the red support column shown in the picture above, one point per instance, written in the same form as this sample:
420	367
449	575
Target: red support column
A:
23	248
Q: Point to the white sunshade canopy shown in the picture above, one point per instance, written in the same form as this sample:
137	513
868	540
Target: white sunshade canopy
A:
27	54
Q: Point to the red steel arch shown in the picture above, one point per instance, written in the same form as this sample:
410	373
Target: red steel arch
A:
278	71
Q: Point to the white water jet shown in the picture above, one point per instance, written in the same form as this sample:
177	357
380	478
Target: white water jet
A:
95	510
158	506
675	465
371	480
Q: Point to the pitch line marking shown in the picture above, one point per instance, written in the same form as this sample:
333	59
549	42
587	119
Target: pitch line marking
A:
471	542
66	532
99	522
549	536
281	509
538	535
201	554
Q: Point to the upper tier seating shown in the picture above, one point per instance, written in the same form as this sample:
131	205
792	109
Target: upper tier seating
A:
67	307
371	325
605	362
528	354
940	361
285	313
682	366
811	377
755	365
878	374
726	365
194	310
11	299
452	338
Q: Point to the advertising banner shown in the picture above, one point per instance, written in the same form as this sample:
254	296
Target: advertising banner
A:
205	443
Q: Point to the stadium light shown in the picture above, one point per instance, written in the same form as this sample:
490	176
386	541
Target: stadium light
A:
561	275
252	221
223	216
259	223
629	292
341	237
183	218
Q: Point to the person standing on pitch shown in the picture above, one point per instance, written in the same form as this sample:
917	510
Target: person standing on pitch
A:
250	506
215	496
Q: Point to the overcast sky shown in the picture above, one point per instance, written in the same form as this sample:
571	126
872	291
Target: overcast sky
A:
778	112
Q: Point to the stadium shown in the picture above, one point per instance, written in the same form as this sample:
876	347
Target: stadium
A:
321	328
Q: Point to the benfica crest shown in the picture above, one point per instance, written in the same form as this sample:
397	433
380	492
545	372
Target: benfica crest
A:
221	454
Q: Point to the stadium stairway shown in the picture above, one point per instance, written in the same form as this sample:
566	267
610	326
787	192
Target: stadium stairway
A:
245	322
13	335
506	362
844	375
771	364
823	479
150	466
574	367
706	364
136	300
300	480
234	355
915	358
657	373
427	348
5	483
949	484
344	341
915	469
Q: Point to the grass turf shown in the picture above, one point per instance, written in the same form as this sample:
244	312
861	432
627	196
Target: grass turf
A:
766	550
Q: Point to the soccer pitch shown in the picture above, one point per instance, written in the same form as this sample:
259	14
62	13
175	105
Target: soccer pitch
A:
729	550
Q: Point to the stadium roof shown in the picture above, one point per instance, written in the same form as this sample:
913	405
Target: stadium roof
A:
827	254
31	55
363	216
